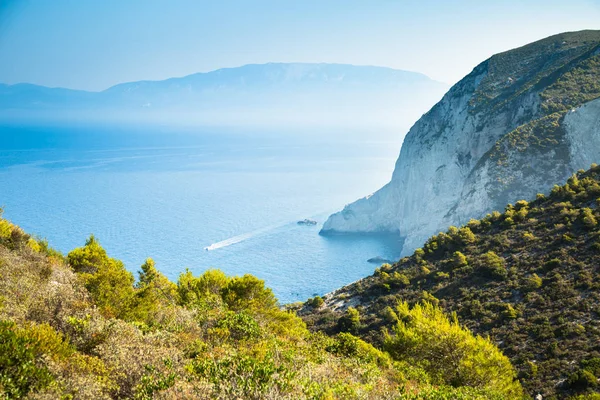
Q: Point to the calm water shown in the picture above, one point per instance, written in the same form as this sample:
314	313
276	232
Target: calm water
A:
170	193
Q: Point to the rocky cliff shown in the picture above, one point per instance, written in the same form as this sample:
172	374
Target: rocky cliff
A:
520	122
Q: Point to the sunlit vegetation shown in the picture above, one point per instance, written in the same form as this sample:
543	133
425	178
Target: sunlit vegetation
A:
81	326
527	278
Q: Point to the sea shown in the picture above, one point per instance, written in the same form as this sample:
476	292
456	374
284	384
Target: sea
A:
201	198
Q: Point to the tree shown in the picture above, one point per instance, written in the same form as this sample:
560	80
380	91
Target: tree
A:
248	293
588	218
459	260
350	321
425	337
154	290
106	279
207	286
493	265
21	365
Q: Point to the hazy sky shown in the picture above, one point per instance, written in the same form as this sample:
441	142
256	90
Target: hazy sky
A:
93	44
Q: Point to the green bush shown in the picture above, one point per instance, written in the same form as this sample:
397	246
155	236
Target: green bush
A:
154	381
154	291
592	365
243	376
459	260
588	218
241	325
582	379
107	280
533	282
348	345
315	302
248	292
22	368
350	321
493	265
194	290
425	337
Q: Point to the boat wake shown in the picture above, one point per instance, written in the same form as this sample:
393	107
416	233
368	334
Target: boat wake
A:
242	237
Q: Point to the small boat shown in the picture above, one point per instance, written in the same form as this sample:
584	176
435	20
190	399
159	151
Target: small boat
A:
379	260
307	221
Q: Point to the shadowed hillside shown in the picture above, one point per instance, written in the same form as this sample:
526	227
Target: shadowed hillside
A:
527	277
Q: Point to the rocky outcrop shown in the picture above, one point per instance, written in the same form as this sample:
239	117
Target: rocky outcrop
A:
582	127
504	132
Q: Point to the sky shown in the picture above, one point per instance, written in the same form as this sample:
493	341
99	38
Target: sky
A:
94	44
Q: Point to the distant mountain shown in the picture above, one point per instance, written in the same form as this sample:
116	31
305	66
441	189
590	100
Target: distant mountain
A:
520	122
260	93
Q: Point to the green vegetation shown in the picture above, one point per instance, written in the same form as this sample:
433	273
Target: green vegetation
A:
518	71
81	327
530	285
448	352
538	85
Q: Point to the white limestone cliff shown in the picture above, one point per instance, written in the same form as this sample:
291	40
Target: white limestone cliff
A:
448	170
582	127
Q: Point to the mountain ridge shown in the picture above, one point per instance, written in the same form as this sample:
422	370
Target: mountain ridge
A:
276	93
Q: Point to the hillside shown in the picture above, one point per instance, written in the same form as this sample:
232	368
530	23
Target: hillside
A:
81	327
273	94
517	124
527	277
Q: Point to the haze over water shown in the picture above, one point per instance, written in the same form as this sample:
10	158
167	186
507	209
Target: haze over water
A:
170	193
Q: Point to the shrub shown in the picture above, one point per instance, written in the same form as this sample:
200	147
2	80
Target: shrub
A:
588	218
348	345
107	280
154	291
533	282
398	279
155	381
350	321
191	290
509	312
248	293
466	236
528	236
22	368
592	365
241	326
582	379
474	223
423	270
429	298
552	264
459	260
521	204
315	302
493	265
389	315
425	337
508	221
442	276
243	376
419	254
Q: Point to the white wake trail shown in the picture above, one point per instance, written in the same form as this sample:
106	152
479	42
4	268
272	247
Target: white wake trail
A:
242	237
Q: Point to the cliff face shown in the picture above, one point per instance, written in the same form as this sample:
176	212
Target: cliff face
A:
510	129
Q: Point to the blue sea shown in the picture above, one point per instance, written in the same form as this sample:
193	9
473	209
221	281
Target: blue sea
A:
169	193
